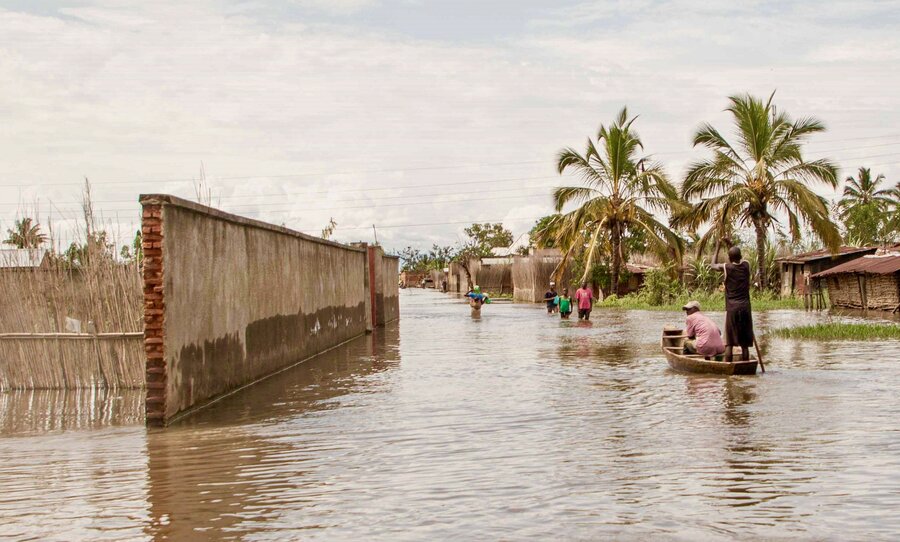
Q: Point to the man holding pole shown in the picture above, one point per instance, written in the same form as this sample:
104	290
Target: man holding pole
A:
738	316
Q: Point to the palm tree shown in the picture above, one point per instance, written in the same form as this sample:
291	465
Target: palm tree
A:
762	174
863	191
864	209
620	193
26	234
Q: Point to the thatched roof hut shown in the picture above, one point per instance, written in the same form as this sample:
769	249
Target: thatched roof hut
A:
869	282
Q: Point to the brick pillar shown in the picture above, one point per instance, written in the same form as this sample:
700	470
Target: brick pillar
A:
154	313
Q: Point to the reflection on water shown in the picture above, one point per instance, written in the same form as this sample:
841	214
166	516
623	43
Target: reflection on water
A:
515	425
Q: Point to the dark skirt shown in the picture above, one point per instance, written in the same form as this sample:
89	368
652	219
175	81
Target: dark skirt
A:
739	327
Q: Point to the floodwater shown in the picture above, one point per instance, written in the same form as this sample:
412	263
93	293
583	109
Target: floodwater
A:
512	426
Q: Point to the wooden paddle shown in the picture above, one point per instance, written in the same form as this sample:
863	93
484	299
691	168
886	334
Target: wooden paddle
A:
759	355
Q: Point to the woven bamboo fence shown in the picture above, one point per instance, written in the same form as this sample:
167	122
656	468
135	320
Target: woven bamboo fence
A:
496	279
531	276
68	409
102	299
71	361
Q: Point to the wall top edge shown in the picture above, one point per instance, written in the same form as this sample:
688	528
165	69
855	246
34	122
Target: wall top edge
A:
175	201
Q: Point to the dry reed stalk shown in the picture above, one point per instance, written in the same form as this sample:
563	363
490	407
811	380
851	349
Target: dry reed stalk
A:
102	291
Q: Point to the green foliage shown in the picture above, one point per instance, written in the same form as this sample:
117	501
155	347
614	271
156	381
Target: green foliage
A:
771	268
709	301
98	247
866	210
484	237
836	331
135	252
542	234
414	260
620	194
703	276
762	173
26	234
660	288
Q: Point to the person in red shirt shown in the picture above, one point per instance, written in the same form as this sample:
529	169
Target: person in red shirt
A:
584	298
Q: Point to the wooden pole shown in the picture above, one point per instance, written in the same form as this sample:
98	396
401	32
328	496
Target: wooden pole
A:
759	355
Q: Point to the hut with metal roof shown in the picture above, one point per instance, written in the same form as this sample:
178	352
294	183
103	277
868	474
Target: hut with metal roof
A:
870	282
797	269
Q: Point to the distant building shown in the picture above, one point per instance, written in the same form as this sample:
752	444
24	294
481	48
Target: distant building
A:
869	282
632	280
797	269
24	259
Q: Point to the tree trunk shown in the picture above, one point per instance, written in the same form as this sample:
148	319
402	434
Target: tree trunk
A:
616	260
760	253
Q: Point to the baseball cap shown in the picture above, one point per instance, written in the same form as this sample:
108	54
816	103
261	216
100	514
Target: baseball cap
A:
691	305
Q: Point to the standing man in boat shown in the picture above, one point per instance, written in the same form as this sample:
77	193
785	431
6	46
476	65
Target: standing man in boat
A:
738	316
703	335
584	297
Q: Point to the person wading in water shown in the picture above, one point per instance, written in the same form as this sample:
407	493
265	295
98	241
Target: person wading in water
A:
550	298
738	317
584	297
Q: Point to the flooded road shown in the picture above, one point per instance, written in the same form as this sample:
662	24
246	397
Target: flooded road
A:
512	426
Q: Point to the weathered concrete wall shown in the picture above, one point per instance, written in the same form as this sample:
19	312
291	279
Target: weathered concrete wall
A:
229	300
390	288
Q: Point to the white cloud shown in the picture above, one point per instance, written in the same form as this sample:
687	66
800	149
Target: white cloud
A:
146	92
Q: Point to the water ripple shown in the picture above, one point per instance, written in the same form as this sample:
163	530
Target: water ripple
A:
512	426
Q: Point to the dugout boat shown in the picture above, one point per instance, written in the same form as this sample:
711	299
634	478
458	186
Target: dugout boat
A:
673	348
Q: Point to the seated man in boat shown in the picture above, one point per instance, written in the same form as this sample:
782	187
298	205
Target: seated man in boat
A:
703	335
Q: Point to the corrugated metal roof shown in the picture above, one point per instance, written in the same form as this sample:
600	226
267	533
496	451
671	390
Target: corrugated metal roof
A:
881	264
825	253
637	269
21	257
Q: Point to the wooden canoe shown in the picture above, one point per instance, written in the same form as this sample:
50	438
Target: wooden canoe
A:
673	347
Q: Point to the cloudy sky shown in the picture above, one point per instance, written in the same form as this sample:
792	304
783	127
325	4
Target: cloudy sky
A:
416	116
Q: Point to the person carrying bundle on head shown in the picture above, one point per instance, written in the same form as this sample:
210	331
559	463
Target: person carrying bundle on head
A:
476	298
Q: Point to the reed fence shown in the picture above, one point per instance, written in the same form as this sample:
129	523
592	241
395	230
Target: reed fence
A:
71	361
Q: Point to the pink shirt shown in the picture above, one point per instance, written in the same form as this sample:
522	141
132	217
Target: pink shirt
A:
709	338
584	296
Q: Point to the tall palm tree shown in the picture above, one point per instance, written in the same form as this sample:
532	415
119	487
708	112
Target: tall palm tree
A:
26	234
620	193
865	209
863	191
763	173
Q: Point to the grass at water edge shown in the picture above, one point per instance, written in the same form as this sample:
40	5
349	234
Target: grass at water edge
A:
837	331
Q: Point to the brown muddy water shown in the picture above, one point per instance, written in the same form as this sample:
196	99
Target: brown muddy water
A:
513	426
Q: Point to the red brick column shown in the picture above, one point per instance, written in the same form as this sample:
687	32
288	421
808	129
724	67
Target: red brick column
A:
154	313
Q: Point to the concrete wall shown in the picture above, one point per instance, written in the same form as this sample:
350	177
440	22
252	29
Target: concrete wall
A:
229	300
390	288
